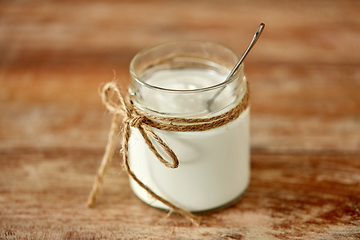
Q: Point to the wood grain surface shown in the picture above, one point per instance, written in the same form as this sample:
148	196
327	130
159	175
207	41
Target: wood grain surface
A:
304	75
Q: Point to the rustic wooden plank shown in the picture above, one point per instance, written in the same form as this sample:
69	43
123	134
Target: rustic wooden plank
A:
43	194
321	31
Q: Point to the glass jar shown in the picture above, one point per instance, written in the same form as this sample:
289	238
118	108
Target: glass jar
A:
177	80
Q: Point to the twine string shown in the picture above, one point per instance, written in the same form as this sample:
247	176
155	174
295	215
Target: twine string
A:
144	121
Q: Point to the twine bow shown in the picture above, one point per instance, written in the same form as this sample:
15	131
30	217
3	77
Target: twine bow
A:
132	119
141	120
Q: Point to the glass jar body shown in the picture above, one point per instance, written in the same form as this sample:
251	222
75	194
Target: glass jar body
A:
178	80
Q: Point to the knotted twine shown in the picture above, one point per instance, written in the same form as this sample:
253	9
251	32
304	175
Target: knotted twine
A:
144	121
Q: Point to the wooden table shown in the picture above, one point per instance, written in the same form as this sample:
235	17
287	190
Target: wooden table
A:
304	75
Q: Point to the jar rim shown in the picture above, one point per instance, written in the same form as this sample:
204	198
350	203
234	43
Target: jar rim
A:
204	89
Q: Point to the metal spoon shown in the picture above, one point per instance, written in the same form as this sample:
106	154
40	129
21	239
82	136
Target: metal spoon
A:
233	71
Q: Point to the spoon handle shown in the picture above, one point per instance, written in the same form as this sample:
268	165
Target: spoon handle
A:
252	43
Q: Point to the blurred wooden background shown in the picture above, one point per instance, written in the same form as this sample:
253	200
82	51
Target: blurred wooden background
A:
304	75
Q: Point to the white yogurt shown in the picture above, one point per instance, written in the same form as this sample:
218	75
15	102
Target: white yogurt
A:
214	165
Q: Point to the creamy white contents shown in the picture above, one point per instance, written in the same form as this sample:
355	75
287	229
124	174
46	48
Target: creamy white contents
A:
189	79
214	165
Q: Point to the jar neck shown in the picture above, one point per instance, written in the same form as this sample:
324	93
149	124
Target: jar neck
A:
186	79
